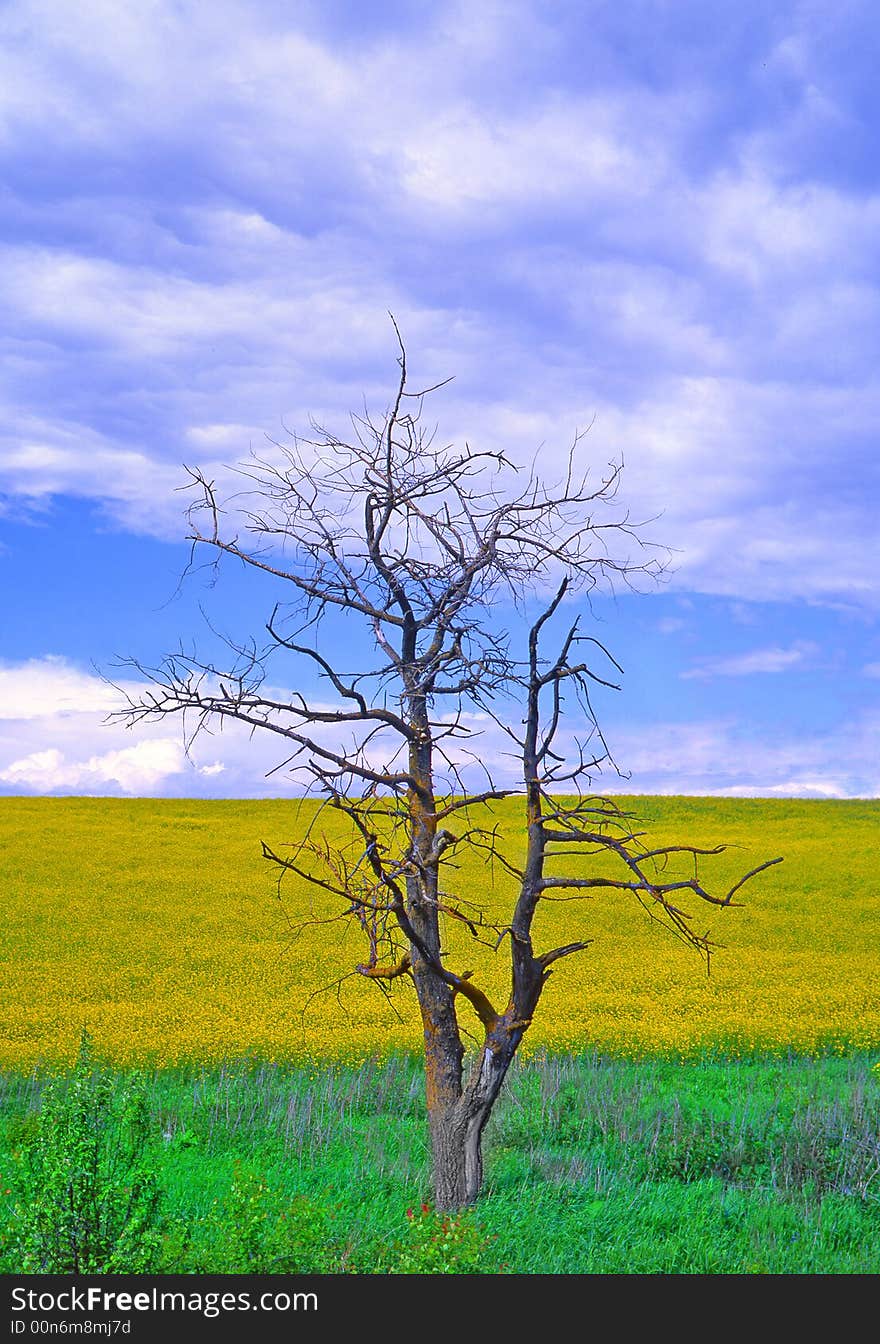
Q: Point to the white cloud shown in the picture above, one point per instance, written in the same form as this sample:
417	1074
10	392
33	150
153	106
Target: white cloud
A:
871	670
773	659
226	438
796	787
43	688
140	769
153	314
725	757
466	162
55	737
763	229
63	459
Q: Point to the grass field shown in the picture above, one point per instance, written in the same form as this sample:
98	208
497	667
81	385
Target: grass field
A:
594	1166
156	924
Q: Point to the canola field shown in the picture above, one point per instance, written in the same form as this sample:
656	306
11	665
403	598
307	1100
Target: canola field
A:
157	925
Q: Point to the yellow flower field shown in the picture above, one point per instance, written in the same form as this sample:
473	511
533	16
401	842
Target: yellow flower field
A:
156	924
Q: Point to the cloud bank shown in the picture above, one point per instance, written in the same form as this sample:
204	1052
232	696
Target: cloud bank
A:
658	221
210	211
55	738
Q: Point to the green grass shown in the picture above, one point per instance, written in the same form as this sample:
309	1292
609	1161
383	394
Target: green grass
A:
593	1165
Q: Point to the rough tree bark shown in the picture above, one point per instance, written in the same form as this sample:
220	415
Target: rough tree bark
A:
422	545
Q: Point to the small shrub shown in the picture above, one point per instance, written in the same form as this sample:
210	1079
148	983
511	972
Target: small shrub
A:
442	1244
90	1198
261	1232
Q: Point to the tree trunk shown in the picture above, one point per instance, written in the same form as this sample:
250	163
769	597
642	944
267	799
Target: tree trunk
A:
456	1124
456	1153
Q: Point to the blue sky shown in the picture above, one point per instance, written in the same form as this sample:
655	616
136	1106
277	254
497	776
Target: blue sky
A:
657	219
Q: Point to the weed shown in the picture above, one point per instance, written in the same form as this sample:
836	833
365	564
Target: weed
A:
90	1196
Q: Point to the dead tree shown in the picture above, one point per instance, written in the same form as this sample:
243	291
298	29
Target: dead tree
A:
422	544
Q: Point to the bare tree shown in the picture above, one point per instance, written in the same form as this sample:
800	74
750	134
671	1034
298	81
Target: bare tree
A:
422	543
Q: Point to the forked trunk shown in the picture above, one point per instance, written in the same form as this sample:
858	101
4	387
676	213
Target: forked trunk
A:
456	1125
